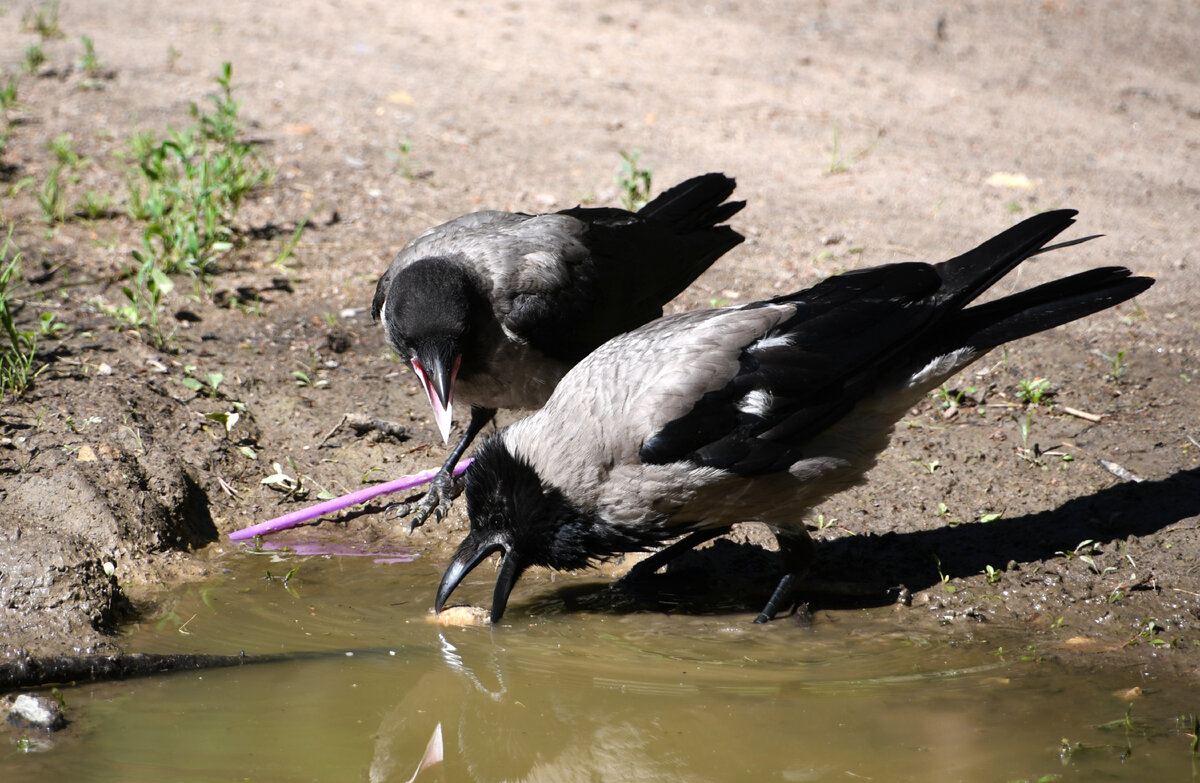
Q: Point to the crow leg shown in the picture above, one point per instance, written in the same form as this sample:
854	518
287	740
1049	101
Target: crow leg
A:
650	565
796	547
443	489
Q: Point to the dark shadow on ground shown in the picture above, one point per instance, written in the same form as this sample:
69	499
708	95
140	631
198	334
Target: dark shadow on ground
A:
730	577
911	559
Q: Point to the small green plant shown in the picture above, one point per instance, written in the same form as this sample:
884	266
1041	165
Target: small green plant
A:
634	181
1117	363
929	467
1085	546
303	379
1138	314
227	419
285	580
145	296
88	62
404	162
8	97
94	206
945	578
43	20
188	186
840	163
208	387
1024	424
288	247
992	574
62	147
18	350
284	482
50	196
1034	391
34	58
825	523
949	398
1123	724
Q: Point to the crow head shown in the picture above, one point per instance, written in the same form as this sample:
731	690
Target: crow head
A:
529	523
429	309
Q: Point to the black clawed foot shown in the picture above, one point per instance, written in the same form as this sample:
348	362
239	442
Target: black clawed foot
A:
796	548
436	502
780	599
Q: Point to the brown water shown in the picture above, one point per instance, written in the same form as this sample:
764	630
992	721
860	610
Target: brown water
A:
565	696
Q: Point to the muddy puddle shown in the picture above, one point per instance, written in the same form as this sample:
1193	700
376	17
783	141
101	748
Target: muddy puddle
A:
561	695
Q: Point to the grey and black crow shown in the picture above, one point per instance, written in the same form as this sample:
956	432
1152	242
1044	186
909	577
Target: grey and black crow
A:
755	413
493	308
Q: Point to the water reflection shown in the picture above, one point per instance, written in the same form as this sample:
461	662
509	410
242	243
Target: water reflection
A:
563	695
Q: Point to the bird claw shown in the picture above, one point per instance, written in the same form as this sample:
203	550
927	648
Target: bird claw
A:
436	502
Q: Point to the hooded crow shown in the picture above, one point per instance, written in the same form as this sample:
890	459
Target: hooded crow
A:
755	413
493	308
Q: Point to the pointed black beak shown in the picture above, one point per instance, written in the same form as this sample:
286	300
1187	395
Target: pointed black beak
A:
466	559
437	367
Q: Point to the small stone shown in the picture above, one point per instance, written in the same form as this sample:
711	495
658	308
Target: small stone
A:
36	712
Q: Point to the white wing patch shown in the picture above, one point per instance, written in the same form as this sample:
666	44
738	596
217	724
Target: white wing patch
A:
756	403
941	368
767	343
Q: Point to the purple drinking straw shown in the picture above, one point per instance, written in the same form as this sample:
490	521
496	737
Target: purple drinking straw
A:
345	501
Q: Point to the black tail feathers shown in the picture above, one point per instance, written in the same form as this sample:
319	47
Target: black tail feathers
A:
694	204
969	275
1043	307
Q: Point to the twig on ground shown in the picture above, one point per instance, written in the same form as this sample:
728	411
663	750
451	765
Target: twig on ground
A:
362	424
1108	465
230	491
1119	471
332	430
1092	417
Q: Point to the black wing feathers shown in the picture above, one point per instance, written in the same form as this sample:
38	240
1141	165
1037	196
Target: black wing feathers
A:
854	329
843	326
637	262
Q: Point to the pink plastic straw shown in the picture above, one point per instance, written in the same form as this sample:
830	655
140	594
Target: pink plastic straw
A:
345	501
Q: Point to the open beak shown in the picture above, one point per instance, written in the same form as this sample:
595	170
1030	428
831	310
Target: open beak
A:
437	374
466	559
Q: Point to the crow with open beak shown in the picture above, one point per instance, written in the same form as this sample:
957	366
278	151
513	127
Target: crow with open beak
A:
493	308
755	413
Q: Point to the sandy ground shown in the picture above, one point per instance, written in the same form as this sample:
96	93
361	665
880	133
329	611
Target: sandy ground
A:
859	133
